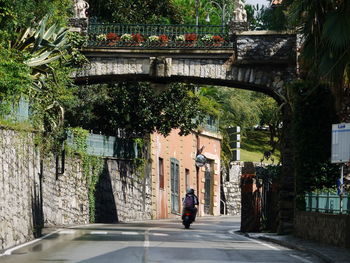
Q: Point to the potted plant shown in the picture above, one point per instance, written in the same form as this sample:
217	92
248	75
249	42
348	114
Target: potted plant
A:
112	38
163	39
180	40
191	39
207	40
138	39
218	40
126	38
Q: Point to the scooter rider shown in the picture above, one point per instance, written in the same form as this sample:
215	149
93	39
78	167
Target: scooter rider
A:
190	201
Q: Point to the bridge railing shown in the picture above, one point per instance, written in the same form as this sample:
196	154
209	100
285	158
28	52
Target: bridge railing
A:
157	36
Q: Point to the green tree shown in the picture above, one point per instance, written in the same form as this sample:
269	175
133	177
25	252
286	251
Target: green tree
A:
135	11
325	55
135	108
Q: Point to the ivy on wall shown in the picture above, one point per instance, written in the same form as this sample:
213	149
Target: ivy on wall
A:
92	165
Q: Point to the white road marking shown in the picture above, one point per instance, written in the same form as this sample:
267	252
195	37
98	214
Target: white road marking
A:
300	258
98	233
159	234
9	251
254	240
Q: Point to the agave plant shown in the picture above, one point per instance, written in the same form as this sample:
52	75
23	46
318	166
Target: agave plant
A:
44	46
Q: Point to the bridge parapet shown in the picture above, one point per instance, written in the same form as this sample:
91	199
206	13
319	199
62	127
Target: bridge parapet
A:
262	47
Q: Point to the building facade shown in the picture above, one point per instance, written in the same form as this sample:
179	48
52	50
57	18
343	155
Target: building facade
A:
174	171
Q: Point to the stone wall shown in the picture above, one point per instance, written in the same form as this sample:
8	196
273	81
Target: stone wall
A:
19	180
324	228
121	196
231	189
261	47
33	195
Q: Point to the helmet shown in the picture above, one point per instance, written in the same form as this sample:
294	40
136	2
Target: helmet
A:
190	191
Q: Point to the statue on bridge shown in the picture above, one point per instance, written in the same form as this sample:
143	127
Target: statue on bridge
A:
239	14
80	7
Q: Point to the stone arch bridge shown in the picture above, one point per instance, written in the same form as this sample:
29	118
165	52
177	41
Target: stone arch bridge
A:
262	61
254	60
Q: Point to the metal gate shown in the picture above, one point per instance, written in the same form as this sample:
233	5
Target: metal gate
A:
207	193
174	174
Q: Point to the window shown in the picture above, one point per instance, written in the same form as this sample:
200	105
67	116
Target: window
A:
161	173
187	178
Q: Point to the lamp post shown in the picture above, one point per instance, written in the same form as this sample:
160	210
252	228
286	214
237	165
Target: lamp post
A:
197	13
223	7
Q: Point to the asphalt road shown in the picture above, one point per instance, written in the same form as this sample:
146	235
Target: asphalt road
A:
210	239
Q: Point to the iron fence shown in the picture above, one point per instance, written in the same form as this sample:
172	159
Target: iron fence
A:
109	146
158	36
327	203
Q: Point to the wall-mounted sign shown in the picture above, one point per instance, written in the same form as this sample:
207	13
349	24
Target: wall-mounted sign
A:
200	160
340	143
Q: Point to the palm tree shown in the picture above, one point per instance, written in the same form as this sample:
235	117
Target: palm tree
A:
325	25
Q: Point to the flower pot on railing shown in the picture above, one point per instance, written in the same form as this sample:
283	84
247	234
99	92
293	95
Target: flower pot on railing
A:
217	41
112	39
191	39
163	40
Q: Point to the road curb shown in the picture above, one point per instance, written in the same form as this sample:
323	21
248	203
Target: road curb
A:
291	245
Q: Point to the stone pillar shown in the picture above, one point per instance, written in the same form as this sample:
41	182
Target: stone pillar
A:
286	204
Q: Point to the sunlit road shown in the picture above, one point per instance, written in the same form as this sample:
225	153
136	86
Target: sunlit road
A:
208	240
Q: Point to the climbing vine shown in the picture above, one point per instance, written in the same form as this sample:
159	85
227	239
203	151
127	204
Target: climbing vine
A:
92	165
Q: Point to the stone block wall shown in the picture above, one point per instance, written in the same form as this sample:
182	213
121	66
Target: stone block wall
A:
33	195
19	169
64	197
122	196
232	190
324	228
271	47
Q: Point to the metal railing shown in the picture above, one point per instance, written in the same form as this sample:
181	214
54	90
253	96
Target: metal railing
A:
109	146
327	203
158	36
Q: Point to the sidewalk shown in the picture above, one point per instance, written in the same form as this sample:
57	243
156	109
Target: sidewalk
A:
328	253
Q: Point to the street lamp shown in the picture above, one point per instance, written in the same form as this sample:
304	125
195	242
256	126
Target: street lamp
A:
223	7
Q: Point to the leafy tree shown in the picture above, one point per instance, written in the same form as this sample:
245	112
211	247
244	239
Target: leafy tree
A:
325	56
135	11
213	9
313	114
267	18
17	14
135	108
14	78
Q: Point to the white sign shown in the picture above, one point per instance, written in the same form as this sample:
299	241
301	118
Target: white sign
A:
340	143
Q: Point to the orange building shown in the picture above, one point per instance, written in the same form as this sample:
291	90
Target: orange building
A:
174	170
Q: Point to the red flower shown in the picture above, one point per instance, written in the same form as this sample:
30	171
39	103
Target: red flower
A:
191	37
218	39
137	38
112	36
163	38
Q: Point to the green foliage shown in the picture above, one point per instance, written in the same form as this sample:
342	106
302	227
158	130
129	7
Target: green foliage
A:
254	144
14	78
135	11
134	107
92	165
313	114
267	18
187	9
325	26
17	14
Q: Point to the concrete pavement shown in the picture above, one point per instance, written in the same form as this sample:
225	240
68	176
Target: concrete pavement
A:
329	254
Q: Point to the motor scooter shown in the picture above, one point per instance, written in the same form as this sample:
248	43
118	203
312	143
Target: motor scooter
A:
187	217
